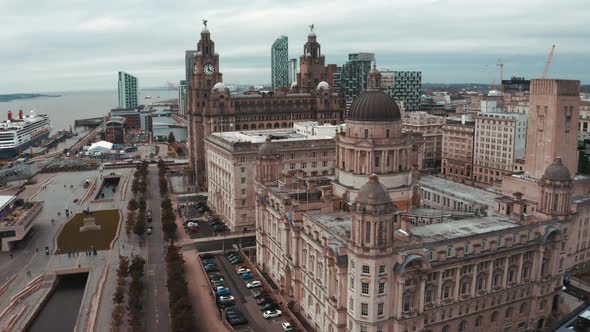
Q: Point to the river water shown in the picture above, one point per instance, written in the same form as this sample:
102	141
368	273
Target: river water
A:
75	105
60	312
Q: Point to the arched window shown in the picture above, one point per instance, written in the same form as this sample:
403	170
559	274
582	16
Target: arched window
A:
497	278
367	232
467	248
481	282
494	316
431	255
508	312
526	271
465	286
478	321
447	290
462	326
450	252
523	307
408	301
429	297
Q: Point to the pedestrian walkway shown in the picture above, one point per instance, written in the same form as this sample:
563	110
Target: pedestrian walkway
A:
207	316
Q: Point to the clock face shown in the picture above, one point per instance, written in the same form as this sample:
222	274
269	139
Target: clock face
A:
208	69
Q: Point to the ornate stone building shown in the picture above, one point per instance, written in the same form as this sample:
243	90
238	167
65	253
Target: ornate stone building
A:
213	109
346	257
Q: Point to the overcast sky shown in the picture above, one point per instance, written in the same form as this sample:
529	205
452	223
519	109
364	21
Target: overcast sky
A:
62	45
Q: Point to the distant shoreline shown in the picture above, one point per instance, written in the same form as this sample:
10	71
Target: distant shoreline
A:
24	96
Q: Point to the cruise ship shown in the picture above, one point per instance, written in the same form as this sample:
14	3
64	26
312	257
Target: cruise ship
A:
17	135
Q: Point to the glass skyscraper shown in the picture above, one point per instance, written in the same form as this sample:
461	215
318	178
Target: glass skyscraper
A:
280	63
353	76
128	91
404	87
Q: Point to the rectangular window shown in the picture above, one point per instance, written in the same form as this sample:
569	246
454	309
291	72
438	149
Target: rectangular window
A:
314	164
380	309
243	202
292	156
381	269
365	288
352	283
324	163
351	304
242	169
366	269
364	309
243	191
303	165
243	180
381	288
314	154
292	166
364	328
366	133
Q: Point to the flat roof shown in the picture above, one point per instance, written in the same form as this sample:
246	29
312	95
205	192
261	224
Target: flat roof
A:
459	190
461	228
259	136
339	223
5	200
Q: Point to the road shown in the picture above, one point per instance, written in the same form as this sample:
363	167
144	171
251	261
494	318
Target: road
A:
219	245
156	307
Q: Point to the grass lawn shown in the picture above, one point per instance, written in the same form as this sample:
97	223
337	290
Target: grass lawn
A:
71	239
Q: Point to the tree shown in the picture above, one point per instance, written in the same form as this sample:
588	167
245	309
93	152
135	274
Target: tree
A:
136	266
119	295
142	204
139	228
123	269
132	205
130	222
171	138
118	317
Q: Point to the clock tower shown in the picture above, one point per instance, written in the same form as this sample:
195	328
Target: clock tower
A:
205	75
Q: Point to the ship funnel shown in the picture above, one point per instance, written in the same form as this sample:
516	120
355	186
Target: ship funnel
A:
9	115
20	114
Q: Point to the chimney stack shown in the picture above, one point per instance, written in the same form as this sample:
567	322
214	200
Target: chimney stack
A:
20	114
9	115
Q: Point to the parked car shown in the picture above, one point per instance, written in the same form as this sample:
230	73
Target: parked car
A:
216	284
149	230
209	261
215	222
237	321
241	270
263	300
245	266
226	305
258	293
268	306
287	326
210	265
215	277
211	268
247	276
236	260
225	298
229	253
223	291
253	284
272	314
218	228
206	256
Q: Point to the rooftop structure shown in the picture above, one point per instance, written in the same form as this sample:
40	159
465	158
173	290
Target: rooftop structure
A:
16	220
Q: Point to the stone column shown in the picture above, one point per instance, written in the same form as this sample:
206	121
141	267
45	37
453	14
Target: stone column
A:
519	271
457	284
438	298
421	294
490	276
505	273
394	161
400	295
474	281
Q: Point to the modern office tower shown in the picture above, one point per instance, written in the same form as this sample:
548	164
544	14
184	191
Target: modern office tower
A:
280	63
500	140
406	87
427	129
182	98
128	90
292	70
353	76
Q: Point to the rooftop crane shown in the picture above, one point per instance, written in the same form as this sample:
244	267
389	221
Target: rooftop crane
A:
501	65
548	63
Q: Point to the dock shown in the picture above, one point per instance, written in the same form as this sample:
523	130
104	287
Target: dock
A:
90	122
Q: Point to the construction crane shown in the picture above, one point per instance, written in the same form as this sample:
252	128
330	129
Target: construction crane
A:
548	63
501	65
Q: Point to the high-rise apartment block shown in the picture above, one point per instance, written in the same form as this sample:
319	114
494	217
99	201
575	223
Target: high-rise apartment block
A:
292	70
457	148
185	85
406	89
279	56
128	91
499	140
353	76
182	98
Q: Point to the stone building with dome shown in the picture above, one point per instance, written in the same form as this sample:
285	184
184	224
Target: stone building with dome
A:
213	109
382	247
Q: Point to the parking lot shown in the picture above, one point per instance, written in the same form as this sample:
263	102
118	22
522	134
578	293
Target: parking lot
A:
244	300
